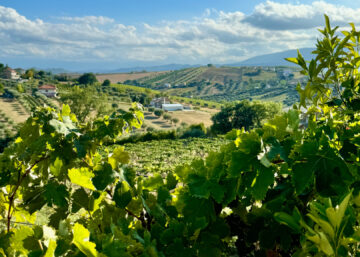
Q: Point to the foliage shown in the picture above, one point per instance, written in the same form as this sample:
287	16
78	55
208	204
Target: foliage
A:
87	79
167	154
29	74
2	89
277	190
20	88
158	112
195	130
243	114
106	83
84	101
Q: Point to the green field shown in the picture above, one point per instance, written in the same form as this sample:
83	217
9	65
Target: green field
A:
164	155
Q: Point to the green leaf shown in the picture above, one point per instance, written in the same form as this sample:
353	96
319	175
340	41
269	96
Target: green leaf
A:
290	221
292	59
122	194
327	22
65	110
56	193
303	174
104	176
56	167
81	177
80	199
261	183
50	252
81	240
118	156
153	182
336	215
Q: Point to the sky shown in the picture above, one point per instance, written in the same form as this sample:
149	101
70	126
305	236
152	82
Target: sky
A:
110	34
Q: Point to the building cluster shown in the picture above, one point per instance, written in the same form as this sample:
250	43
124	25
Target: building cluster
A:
165	104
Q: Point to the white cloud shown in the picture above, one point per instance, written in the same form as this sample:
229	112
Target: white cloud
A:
215	36
277	16
101	20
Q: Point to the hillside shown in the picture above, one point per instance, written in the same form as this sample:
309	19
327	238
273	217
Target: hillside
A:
275	59
223	84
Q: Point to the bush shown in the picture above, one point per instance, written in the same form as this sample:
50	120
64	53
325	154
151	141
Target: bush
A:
167	116
158	112
106	83
196	130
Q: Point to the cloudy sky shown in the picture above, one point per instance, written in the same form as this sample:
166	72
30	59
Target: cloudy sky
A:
110	34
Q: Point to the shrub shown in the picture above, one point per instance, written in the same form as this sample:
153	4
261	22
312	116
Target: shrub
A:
158	112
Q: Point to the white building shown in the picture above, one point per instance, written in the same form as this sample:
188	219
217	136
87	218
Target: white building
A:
158	102
48	90
9	73
172	107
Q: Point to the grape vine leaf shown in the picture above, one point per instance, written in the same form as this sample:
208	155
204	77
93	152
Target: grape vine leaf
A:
261	183
81	240
56	193
104	176
50	252
122	194
81	177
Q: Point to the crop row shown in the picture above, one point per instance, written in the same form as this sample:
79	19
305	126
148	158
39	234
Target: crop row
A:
163	155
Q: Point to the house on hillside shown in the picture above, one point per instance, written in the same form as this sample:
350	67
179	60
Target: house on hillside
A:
172	107
9	73
48	90
158	102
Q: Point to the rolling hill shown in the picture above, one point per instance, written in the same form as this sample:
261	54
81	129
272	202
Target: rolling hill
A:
224	84
275	59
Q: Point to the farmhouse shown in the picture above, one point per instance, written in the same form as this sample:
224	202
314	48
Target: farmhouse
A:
48	90
172	107
9	73
158	102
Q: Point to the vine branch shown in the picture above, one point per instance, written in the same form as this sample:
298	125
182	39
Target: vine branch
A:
12	196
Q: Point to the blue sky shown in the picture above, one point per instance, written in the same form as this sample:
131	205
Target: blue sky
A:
109	34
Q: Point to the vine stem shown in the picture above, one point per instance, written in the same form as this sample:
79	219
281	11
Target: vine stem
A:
12	196
128	211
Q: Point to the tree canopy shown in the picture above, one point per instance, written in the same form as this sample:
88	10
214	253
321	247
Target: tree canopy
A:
87	78
243	114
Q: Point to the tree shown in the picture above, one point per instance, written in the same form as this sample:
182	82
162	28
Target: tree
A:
85	102
243	114
106	83
87	78
29	74
167	116
175	120
20	88
158	112
2	88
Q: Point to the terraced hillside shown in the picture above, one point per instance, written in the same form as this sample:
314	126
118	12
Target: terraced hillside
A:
223	84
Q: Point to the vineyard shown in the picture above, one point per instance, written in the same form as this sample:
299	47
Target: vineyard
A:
290	187
227	84
167	154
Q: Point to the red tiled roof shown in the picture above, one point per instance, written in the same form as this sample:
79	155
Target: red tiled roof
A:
47	87
9	69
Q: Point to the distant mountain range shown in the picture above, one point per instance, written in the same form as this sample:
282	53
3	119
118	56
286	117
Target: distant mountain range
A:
275	59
